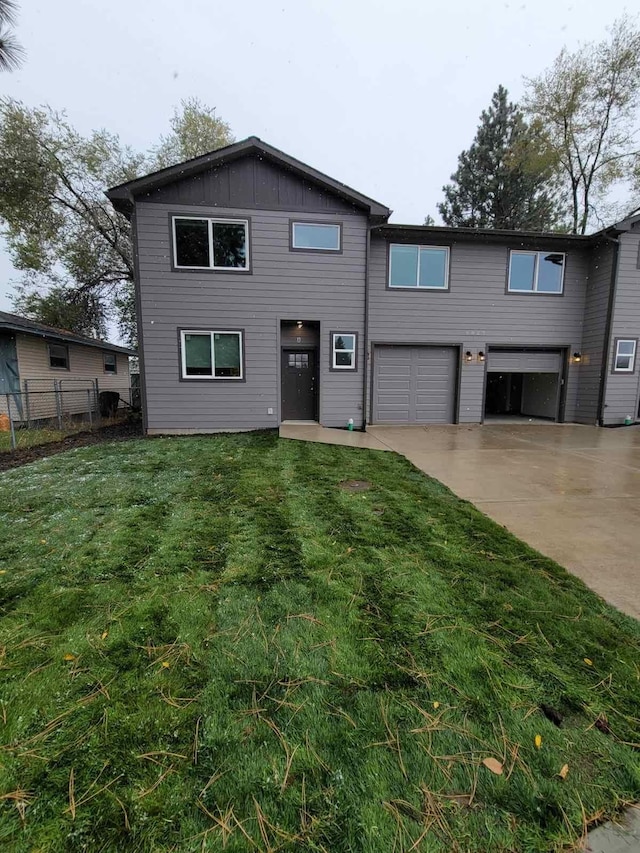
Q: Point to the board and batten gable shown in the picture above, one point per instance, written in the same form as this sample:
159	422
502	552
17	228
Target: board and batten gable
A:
282	285
249	182
622	389
476	312
590	372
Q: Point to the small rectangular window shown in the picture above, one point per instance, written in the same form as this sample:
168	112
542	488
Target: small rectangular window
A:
424	267
59	356
212	355
536	272
110	362
625	360
343	350
317	236
215	244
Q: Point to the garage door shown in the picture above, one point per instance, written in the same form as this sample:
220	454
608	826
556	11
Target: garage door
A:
524	361
414	385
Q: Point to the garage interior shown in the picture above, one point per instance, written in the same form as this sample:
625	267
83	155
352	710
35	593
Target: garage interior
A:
524	395
523	384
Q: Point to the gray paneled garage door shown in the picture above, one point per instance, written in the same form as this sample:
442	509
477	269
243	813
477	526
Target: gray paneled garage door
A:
414	385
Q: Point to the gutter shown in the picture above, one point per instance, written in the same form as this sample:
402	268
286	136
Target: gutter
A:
606	344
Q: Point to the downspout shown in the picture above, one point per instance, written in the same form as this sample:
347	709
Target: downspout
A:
606	345
365	367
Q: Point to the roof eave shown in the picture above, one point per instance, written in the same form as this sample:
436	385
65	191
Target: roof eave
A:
123	195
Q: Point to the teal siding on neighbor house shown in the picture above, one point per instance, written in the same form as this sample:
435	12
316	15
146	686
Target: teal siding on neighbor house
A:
476	313
282	285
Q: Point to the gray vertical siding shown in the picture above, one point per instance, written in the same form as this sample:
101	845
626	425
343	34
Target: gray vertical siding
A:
250	182
283	285
476	312
621	390
595	320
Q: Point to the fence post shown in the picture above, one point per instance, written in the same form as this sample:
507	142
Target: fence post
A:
13	432
27	402
89	405
56	389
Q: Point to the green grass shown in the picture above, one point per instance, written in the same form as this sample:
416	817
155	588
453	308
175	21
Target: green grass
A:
33	437
207	644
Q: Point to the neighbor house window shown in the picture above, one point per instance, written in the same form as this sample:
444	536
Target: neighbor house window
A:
213	244
536	272
419	266
625	356
59	356
110	362
343	350
316	236
211	355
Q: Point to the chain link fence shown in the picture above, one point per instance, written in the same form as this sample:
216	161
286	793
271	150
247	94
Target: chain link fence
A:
62	406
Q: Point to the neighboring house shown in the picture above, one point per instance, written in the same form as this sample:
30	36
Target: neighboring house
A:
268	292
49	372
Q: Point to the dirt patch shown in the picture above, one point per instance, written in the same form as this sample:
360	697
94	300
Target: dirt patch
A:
24	455
355	485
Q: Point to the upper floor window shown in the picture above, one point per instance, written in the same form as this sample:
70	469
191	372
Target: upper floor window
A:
211	355
536	272
110	362
316	236
214	244
625	356
419	266
59	356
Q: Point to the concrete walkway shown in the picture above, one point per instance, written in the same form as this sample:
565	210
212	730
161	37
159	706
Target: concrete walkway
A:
325	435
570	491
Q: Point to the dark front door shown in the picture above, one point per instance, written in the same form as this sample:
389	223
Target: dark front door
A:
299	385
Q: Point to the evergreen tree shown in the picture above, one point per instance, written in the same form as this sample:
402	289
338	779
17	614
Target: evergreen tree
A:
507	178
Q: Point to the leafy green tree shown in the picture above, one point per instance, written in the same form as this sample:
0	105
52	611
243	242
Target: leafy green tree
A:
588	102
59	225
195	130
506	178
11	52
62	307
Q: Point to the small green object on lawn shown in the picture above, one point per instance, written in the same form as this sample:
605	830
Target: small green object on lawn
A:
221	647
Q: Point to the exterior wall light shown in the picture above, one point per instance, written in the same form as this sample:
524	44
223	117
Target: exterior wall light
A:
577	357
299	324
481	356
468	356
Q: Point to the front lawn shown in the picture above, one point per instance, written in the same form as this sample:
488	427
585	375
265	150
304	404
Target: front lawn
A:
211	643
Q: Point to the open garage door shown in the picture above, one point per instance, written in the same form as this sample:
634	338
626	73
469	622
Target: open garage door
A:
524	383
414	385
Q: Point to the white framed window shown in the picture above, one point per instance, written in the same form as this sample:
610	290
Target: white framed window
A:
424	267
316	236
536	272
625	360
202	242
211	354
343	350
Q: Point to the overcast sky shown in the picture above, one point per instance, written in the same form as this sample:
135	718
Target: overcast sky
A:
382	96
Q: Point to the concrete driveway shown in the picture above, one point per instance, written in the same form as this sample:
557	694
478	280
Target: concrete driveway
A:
572	492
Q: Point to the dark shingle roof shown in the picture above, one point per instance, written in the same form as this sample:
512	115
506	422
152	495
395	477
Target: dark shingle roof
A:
32	327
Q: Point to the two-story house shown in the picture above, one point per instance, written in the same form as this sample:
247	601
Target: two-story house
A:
270	292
